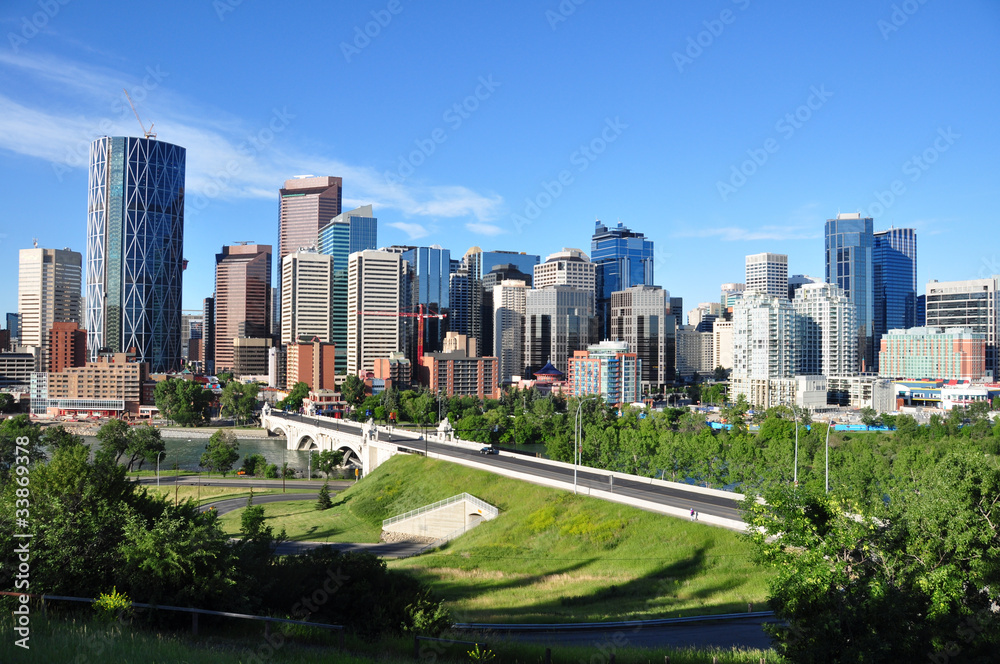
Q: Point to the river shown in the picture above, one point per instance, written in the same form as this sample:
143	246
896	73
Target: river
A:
187	452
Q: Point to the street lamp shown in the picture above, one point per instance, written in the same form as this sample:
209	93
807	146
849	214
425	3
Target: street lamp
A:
158	468
795	471
577	450
829	426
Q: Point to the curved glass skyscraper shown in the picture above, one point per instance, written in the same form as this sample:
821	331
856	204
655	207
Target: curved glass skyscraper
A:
135	240
849	246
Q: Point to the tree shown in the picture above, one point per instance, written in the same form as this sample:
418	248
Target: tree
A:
224	378
328	460
57	437
114	436
293	401
720	374
17	436
6	402
869	417
254	465
221	452
353	391
239	401
183	401
893	580
323	501
144	444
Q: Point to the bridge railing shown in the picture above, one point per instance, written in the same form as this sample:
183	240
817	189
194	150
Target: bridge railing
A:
488	510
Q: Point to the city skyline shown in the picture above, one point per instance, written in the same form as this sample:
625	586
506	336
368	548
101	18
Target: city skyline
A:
753	164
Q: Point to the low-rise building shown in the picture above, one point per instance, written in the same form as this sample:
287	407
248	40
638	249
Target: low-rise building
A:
110	387
396	369
16	369
457	374
311	361
954	353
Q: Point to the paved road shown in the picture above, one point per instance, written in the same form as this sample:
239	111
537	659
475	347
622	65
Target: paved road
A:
233	504
717	506
244	482
729	634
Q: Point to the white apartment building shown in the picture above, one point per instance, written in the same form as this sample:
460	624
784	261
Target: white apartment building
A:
722	344
763	348
826	320
374	290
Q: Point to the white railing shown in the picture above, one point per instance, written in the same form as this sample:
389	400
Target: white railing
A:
489	511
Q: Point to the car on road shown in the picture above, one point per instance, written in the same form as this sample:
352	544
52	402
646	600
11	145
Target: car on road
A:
489	450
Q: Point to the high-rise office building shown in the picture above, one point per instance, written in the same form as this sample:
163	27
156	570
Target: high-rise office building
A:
499	273
569	267
623	258
374	294
824	340
973	303
306	205
894	282
558	320
730	293
48	292
703	316
135	244
208	336
460	296
767	273
849	247
677	309
478	263
347	233
640	316
430	287
13	329
307	297
242	298
509	300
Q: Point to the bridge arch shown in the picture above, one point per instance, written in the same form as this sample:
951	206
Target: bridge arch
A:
305	441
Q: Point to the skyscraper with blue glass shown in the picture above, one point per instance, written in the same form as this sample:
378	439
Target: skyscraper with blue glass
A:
623	259
894	279
849	255
430	269
347	233
135	242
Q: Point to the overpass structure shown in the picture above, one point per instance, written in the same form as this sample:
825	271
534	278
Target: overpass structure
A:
370	446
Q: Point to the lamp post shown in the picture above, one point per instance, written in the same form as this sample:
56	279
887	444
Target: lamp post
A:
829	426
577	450
158	468
795	470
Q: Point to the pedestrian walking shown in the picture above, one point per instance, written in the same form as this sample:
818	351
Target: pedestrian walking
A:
692	514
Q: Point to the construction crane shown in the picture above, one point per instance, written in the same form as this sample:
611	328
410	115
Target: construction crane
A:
147	134
420	316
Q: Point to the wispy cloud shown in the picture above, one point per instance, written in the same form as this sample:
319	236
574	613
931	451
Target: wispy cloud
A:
737	234
414	231
228	157
490	230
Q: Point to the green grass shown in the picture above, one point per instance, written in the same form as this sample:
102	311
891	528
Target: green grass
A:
549	556
235	642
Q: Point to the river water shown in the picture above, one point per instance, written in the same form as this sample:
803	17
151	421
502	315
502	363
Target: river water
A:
187	452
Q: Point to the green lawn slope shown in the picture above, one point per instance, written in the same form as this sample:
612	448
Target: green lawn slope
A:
550	556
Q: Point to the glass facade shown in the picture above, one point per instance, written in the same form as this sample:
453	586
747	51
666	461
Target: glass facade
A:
623	259
894	282
347	233
849	248
430	269
135	238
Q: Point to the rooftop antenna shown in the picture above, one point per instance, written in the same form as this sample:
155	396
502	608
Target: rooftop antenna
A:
147	134
35	240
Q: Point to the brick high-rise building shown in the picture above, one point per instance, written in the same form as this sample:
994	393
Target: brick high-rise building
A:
67	346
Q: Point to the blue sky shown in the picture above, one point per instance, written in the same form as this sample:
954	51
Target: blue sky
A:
644	112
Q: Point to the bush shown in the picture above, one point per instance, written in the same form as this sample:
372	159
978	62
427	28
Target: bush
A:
112	606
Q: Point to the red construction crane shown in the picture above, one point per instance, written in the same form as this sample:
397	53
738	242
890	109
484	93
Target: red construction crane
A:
420	316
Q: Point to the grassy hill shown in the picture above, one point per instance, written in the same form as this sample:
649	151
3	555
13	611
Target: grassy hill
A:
549	557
